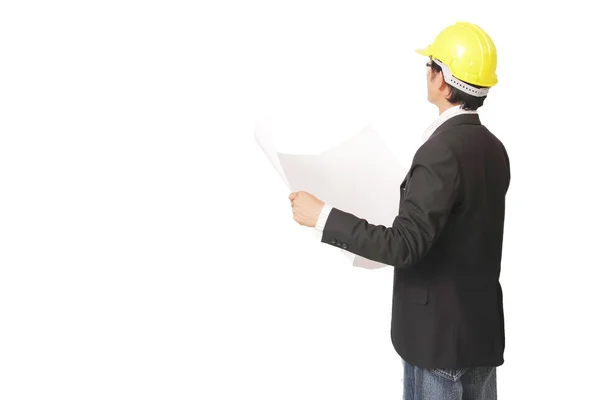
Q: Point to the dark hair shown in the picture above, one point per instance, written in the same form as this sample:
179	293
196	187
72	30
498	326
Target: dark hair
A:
466	101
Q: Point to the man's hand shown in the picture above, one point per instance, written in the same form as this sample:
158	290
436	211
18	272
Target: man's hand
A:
306	208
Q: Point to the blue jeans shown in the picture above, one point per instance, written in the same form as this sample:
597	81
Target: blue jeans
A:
475	383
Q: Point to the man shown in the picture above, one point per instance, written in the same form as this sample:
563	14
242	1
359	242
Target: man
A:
446	242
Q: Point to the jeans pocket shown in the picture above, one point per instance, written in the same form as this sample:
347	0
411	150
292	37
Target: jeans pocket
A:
452	374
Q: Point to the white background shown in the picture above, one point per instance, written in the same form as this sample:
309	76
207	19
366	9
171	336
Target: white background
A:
147	246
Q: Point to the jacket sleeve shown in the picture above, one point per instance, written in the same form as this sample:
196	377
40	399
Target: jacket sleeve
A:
431	191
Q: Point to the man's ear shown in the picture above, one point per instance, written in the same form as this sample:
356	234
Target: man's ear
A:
443	87
437	79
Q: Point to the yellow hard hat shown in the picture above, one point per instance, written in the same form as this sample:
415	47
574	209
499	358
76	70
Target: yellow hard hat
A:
467	53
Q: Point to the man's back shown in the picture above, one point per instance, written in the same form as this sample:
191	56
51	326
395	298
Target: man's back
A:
447	308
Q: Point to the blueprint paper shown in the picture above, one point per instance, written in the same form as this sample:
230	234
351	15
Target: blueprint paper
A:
360	176
264	136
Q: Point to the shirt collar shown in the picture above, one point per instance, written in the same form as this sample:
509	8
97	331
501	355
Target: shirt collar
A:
443	117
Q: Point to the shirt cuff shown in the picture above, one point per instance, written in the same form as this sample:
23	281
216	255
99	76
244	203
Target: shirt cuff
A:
323	218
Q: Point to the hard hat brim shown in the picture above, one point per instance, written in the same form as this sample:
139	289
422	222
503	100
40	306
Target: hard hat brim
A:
424	52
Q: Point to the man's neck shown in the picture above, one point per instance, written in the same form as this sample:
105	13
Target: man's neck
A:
444	107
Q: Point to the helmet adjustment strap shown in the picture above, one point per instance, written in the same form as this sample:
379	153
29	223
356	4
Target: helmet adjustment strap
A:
460	85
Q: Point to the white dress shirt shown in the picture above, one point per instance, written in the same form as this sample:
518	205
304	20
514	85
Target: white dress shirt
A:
443	117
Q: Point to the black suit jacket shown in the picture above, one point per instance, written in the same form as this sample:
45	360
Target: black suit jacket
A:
445	246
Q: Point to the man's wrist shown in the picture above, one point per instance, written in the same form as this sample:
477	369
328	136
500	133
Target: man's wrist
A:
325	210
